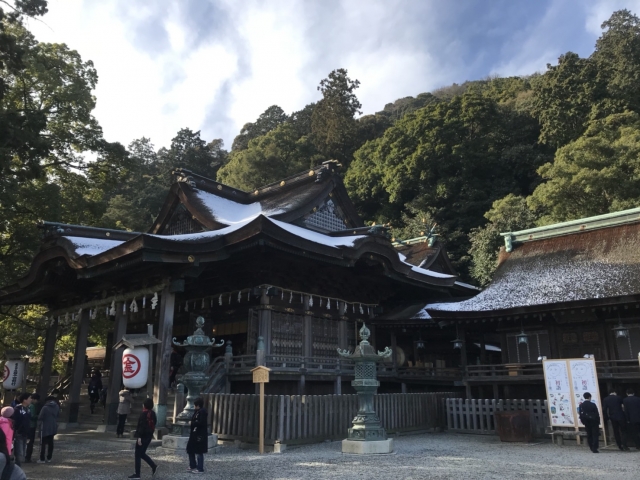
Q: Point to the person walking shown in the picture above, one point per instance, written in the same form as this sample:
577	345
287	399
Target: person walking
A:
94	387
631	405
198	443
48	426
6	425
21	423
612	410
8	469
590	418
34	411
124	409
144	434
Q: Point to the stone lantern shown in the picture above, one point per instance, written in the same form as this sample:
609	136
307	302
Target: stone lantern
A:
367	435
196	364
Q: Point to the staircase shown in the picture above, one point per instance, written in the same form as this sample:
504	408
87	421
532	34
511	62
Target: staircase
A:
217	374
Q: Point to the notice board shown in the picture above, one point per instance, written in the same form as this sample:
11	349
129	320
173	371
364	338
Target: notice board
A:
566	380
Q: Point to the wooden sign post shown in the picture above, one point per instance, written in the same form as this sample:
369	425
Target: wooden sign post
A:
261	376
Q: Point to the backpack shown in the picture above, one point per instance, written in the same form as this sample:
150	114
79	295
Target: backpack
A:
150	422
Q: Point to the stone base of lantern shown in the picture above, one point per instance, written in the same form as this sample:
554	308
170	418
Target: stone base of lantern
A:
375	447
176	444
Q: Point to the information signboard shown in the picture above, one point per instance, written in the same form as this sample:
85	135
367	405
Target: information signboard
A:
566	381
559	394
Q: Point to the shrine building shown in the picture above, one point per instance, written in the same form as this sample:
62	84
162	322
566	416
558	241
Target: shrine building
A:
284	275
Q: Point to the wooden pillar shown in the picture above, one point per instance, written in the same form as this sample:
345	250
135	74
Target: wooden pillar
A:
47	358
403	387
496	391
78	366
463	350
468	391
163	355
483	352
115	369
264	322
150	371
394	345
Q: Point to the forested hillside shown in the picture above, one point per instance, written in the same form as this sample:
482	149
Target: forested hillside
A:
476	159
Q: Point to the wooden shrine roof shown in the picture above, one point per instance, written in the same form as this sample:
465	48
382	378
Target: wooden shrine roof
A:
578	268
214	205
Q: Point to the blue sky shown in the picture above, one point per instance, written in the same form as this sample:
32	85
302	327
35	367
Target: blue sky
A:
213	65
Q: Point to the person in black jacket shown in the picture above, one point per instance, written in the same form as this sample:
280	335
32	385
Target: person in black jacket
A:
612	410
632	411
198	443
144	434
590	418
94	388
21	424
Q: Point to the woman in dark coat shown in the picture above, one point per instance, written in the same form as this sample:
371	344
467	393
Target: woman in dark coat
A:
198	443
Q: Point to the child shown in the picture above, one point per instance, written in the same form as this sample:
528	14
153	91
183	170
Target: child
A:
124	409
6	425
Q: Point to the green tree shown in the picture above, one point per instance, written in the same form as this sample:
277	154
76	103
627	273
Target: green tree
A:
333	124
270	119
508	214
449	160
596	174
269	158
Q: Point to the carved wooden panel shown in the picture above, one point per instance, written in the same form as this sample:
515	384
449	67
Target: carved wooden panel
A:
324	337
287	331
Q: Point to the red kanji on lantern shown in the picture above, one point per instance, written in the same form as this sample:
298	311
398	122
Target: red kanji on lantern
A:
130	365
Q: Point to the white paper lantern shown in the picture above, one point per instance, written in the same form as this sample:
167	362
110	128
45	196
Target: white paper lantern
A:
135	367
13	374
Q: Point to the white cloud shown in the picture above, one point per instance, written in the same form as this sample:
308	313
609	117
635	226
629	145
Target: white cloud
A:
215	65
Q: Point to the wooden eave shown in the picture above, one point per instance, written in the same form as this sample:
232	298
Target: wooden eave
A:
156	249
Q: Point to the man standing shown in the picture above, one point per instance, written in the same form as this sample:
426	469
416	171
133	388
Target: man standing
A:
590	418
21	424
612	410
632	411
34	411
48	422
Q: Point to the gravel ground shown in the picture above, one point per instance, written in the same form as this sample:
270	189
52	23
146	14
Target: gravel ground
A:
417	457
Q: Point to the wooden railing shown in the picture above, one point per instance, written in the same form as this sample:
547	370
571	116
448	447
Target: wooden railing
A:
476	416
618	369
315	418
502	370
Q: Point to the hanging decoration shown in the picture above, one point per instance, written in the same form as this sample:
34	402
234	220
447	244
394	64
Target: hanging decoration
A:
320	302
202	306
220	299
361	310
239	296
112	310
310	301
154	301
144	301
133	308
328	303
124	307
291	297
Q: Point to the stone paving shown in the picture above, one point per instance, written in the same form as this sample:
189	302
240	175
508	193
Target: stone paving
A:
427	456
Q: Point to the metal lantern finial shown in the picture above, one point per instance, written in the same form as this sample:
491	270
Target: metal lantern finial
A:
522	338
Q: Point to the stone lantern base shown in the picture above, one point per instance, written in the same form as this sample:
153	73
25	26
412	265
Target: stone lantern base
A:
177	444
371	447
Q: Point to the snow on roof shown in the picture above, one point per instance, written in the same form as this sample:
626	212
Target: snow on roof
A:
467	285
228	212
596	264
320	238
423	271
422	315
92	246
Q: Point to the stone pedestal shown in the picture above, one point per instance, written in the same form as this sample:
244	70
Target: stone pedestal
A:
374	447
178	444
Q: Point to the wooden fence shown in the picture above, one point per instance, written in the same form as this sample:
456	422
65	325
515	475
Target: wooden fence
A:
476	416
315	418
